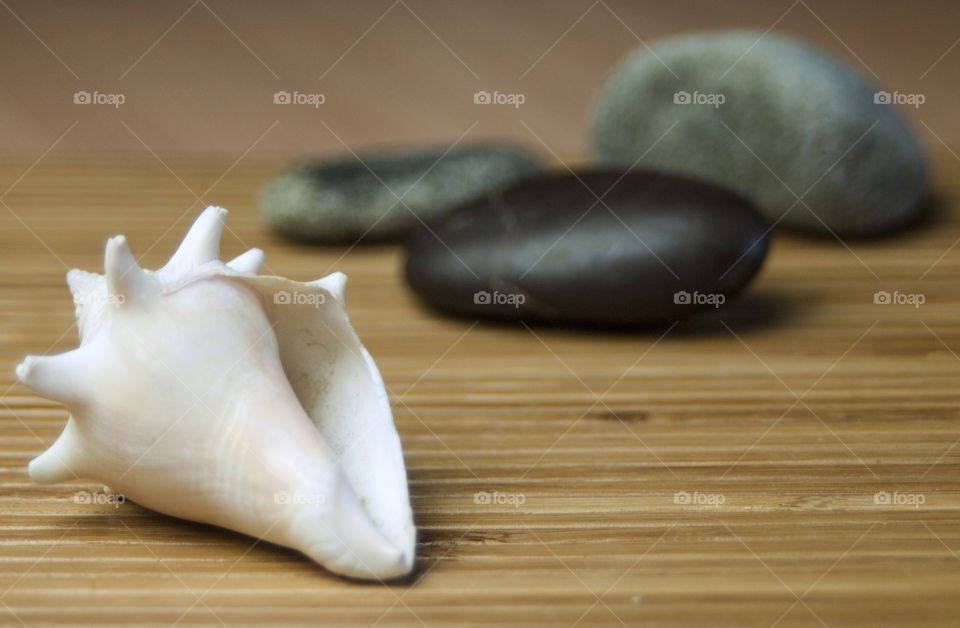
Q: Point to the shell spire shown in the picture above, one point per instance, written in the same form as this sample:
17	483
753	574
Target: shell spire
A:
203	391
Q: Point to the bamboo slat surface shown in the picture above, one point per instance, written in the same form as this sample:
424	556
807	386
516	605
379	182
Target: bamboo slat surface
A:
785	419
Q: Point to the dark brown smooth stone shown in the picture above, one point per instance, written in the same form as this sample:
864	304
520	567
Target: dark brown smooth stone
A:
603	248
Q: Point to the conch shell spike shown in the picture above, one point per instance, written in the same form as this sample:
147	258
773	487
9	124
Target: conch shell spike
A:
335	283
125	279
81	282
61	377
249	262
61	461
201	244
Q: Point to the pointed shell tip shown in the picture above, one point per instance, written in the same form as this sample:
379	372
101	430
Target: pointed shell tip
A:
23	369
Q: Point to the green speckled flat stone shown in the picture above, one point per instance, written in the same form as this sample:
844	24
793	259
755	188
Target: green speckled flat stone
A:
342	201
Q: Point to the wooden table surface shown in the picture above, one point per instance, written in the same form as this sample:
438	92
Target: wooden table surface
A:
782	421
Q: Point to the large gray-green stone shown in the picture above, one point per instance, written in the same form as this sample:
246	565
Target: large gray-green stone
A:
348	199
792	123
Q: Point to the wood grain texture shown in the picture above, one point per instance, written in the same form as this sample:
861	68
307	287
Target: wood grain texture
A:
785	415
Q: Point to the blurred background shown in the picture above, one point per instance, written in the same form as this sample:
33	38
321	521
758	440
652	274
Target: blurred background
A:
199	78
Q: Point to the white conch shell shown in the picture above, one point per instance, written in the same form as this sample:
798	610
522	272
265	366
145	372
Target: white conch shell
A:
204	391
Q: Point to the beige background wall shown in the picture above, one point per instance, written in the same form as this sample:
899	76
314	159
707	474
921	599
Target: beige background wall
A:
198	77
